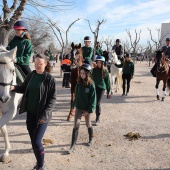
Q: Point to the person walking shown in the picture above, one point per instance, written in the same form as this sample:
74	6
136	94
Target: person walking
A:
85	104
101	79
24	47
66	68
128	73
39	99
87	50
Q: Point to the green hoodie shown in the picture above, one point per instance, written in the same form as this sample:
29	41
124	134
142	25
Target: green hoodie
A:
99	51
100	81
87	53
128	67
24	49
85	97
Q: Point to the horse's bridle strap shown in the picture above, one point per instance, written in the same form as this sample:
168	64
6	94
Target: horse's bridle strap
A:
5	84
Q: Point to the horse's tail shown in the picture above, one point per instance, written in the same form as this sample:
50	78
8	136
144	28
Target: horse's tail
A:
168	83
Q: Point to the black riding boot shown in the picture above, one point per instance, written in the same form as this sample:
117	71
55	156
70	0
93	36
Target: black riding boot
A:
90	131
74	139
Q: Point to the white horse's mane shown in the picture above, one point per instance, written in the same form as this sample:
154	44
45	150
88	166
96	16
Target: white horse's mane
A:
3	49
3	57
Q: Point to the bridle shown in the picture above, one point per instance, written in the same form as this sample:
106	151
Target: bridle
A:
2	83
163	65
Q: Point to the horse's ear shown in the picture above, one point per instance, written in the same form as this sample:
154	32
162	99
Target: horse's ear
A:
72	45
79	45
12	53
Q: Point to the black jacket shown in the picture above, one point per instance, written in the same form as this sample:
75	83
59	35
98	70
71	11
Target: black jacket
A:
48	95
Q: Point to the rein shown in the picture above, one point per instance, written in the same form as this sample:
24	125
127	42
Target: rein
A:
2	83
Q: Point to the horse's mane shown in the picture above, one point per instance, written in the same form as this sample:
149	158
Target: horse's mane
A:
3	49
4	58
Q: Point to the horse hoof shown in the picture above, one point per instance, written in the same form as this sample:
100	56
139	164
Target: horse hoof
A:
68	118
163	98
157	97
4	158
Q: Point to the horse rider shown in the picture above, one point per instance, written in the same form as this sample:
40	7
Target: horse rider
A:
166	51
118	49
99	51
166	48
24	46
87	50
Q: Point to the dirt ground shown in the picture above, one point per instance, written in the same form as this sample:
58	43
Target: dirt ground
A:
139	112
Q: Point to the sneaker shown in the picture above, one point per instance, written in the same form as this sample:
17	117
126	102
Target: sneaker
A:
97	122
127	94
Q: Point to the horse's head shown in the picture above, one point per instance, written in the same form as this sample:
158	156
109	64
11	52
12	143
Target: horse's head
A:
7	70
159	55
113	57
76	54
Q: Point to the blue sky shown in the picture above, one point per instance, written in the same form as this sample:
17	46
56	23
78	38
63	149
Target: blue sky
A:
120	15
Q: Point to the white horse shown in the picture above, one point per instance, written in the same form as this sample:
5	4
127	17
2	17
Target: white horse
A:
8	100
116	73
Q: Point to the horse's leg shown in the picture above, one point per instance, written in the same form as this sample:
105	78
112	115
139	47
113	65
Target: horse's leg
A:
157	90
4	156
113	80
72	111
117	84
164	90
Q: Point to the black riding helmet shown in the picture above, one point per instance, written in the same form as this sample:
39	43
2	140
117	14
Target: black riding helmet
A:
86	67
118	40
87	38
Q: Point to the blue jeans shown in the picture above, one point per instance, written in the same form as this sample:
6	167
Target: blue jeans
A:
36	134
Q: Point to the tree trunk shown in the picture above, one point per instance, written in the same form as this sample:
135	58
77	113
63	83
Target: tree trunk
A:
4	36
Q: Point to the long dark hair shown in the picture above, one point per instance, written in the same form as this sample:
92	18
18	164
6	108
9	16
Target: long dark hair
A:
87	81
48	66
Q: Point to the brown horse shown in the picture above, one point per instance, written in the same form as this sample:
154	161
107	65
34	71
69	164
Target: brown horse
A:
162	73
76	60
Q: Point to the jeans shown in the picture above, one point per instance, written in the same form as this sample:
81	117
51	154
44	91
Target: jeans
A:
99	93
36	134
126	77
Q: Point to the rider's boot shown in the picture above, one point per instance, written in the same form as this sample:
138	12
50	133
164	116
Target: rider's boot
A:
90	131
74	139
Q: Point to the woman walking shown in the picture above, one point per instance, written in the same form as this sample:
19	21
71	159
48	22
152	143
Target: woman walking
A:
39	98
128	72
84	102
102	82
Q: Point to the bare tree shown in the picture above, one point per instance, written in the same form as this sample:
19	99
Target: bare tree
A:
108	42
96	32
127	46
135	42
160	36
60	37
10	14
